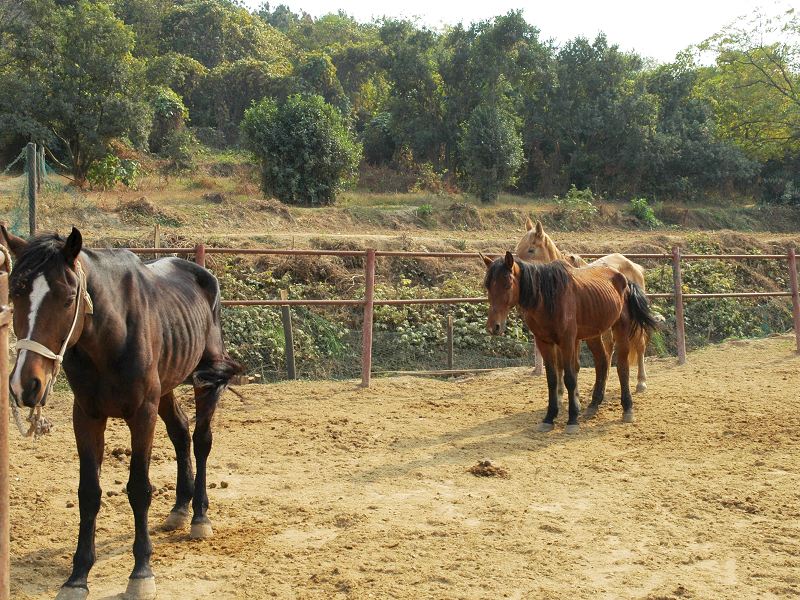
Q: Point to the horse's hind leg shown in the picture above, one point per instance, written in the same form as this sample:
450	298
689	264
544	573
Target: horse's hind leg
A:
638	346
622	341
142	583
206	401
178	430
89	436
551	368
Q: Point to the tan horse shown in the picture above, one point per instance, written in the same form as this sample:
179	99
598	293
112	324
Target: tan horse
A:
537	247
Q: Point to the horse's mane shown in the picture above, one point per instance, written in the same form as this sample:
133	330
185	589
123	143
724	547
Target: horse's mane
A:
545	281
551	245
39	251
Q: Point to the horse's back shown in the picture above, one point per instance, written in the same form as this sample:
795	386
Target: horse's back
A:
630	269
172	271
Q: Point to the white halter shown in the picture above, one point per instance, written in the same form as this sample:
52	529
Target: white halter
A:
41	349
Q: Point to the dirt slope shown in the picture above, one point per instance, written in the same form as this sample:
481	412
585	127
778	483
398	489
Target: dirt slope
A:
337	492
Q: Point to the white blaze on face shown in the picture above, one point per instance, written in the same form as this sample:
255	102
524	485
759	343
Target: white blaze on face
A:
39	290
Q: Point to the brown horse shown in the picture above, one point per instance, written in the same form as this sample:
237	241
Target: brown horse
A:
562	305
537	247
127	334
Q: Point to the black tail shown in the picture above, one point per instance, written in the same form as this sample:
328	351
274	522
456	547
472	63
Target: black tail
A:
639	310
217	374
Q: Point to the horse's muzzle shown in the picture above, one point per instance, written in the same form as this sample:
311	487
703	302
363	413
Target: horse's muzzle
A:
32	393
497	328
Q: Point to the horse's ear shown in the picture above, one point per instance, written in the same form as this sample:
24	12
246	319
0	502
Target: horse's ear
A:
539	228
509	260
528	224
12	242
486	260
72	247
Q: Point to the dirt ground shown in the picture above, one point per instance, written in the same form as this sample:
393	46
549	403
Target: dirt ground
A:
326	490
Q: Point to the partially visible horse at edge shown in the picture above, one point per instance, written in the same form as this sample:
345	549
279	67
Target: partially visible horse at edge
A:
537	247
562	305
128	334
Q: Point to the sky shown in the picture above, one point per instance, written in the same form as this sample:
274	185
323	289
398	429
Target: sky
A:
657	30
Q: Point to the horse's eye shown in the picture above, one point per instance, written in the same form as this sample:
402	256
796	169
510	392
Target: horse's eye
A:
69	302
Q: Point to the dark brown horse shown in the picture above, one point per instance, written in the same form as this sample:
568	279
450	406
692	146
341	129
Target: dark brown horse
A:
562	305
127	334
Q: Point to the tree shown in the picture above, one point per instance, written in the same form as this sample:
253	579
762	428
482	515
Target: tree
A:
492	150
85	90
306	152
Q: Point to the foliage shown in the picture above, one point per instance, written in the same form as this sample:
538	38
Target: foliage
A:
180	148
169	116
492	151
575	210
110	170
307	154
641	209
379	145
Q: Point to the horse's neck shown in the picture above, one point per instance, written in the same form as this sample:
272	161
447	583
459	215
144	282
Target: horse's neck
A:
555	253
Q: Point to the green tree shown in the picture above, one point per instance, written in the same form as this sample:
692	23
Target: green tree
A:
306	152
216	31
492	150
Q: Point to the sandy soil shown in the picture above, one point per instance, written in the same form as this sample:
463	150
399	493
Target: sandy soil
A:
331	491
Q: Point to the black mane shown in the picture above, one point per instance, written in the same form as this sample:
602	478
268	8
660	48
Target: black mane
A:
545	281
40	251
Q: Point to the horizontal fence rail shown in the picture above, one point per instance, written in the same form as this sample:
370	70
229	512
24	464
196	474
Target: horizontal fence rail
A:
368	302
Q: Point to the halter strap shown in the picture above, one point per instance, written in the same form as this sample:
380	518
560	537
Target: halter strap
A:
41	349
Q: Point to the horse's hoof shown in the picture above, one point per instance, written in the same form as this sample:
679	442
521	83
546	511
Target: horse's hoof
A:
641	387
201	531
627	416
589	412
177	519
545	427
72	593
572	428
141	589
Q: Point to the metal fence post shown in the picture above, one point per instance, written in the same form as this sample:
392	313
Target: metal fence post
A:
450	341
5	563
369	298
288	336
200	254
795	298
680	326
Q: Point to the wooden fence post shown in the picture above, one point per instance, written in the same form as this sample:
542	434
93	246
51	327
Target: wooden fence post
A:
156	238
31	164
41	168
286	317
366	335
795	298
5	564
449	341
680	327
200	254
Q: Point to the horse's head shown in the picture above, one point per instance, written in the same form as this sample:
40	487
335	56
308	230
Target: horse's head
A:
536	245
502	285
48	290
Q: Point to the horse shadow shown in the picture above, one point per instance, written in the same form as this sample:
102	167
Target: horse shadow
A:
510	435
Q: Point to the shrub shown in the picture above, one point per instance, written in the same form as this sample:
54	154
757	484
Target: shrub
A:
110	170
180	148
640	209
492	151
379	145
575	210
169	117
307	154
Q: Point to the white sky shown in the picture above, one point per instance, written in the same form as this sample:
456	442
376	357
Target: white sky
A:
657	30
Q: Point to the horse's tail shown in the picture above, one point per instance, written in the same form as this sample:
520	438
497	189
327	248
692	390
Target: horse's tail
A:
218	373
639	310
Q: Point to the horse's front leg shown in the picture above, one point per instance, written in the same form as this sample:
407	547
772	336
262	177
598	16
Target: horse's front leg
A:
601	362
89	437
178	430
570	363
551	368
142	583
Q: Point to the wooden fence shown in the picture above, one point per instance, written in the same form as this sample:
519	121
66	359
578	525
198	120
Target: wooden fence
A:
368	302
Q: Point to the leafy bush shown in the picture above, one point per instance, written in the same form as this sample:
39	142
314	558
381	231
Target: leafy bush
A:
169	117
640	209
181	148
492	151
379	145
110	170
307	154
575	210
